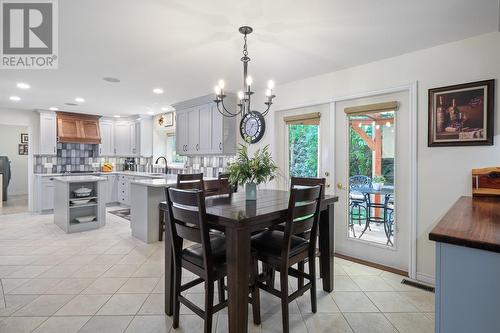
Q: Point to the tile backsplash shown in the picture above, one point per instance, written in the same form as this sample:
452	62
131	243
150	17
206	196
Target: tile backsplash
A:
211	166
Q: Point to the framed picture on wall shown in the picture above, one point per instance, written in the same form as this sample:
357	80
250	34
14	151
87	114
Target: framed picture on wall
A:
23	149
462	115
167	119
24	137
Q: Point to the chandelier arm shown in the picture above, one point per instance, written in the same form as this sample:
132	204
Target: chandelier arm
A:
227	114
267	110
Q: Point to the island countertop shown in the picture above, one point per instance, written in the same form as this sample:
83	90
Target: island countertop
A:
162	182
471	222
79	179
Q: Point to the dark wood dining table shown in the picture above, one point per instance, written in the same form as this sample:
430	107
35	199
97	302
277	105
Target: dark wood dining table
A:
238	219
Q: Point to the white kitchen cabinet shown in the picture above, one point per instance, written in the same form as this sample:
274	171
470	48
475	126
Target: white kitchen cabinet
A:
112	189
107	146
123	140
202	130
48	134
144	137
46	193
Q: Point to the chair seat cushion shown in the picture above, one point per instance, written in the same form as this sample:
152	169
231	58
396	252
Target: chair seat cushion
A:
270	243
194	253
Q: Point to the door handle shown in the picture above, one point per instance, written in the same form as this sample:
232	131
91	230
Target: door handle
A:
327	173
340	186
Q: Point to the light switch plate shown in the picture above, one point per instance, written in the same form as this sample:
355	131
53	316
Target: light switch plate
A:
48	165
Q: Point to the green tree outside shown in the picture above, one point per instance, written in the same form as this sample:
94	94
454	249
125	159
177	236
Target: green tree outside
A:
303	142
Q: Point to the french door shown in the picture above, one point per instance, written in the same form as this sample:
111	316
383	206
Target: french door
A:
373	179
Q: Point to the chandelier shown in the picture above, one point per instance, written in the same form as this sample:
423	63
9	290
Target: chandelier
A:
244	96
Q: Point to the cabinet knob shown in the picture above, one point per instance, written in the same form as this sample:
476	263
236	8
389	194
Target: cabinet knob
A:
197	147
220	145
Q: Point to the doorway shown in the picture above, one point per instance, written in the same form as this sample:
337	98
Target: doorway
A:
373	172
14	169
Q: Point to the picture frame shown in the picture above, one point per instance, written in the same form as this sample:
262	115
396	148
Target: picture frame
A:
23	149
168	119
462	114
24	137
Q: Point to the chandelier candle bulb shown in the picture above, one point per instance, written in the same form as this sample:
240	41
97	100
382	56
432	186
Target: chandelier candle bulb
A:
270	84
269	92
222	84
249	80
241	95
217	90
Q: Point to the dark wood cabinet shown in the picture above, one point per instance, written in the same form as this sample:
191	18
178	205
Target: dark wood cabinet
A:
77	128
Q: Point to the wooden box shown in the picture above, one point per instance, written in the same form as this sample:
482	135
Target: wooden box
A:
486	182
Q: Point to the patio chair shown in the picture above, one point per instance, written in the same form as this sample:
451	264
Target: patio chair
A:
357	201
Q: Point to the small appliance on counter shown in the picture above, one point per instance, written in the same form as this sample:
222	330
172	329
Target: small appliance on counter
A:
486	182
5	171
129	164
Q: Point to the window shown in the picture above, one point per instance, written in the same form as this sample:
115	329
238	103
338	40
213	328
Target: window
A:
303	143
172	155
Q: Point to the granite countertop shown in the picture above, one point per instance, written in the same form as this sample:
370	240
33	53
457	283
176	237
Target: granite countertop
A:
169	181
79	179
101	173
471	222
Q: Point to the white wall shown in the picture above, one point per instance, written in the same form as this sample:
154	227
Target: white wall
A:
9	146
443	173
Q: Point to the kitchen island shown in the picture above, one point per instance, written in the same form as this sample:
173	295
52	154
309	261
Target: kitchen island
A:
468	266
79	203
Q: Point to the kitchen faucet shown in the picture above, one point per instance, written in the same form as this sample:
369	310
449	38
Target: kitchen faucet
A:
162	157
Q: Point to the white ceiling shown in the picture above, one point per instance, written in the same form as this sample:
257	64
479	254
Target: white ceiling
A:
186	46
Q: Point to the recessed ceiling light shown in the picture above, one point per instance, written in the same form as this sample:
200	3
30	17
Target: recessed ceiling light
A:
151	113
158	90
164	108
15	98
71	104
116	116
22	85
111	79
53	108
79	100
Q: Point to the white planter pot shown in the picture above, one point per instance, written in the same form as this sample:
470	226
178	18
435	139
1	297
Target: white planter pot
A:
377	186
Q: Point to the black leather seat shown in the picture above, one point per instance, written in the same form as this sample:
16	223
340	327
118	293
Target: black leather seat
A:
194	253
270	243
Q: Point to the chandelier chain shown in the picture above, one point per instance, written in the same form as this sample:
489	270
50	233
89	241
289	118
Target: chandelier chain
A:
245	51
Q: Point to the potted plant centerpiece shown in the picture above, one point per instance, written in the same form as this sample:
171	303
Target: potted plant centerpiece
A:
378	182
252	171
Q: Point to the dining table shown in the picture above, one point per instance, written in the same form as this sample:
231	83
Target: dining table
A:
386	192
238	219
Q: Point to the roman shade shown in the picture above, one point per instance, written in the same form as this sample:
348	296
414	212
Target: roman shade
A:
303	119
372	108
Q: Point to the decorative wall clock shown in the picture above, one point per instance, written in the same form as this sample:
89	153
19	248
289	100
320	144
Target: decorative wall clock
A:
252	126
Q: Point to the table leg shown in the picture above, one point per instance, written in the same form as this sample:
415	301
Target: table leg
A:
238	258
169	273
326	247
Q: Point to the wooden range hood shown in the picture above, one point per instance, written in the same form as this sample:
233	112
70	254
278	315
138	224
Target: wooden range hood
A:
78	128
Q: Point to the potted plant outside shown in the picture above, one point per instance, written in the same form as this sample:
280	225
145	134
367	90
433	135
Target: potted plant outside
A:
252	171
378	182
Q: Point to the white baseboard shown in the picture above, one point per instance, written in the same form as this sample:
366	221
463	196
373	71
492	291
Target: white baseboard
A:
426	278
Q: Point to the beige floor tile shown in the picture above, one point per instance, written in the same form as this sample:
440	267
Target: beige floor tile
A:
342	262
62	324
106	324
123	304
345	283
150	324
369	323
11	284
154	304
325	303
60	271
192	323
105	286
106	259
28	272
358	269
371	283
91	271
353	301
35	286
6	270
222	325
70	286
20	324
14	303
83	305
338	269
44	305
274	324
138	285
160	286
391	301
423	300
327	323
121	271
411	322
133	258
150	270
80	260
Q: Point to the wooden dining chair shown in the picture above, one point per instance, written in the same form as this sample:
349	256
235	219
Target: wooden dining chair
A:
283	249
184	181
226	176
206	259
217	187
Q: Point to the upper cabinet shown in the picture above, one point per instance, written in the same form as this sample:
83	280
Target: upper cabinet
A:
202	130
78	128
134	138
107	146
48	134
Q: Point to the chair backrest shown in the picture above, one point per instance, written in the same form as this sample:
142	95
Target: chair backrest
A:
234	188
217	187
306	181
303	216
359	181
187	221
188	181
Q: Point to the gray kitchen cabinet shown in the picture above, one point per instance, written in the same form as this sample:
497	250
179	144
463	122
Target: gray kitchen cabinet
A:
112	189
106	148
202	130
48	133
46	193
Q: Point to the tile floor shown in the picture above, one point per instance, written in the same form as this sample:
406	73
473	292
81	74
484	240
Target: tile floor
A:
106	281
14	204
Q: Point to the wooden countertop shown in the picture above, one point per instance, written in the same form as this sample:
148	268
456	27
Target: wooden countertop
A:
471	222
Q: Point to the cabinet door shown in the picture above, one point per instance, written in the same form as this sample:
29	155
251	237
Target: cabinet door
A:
48	134
180	133
122	139
205	140
217	130
90	130
48	189
145	137
134	130
193	132
68	129
106	148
